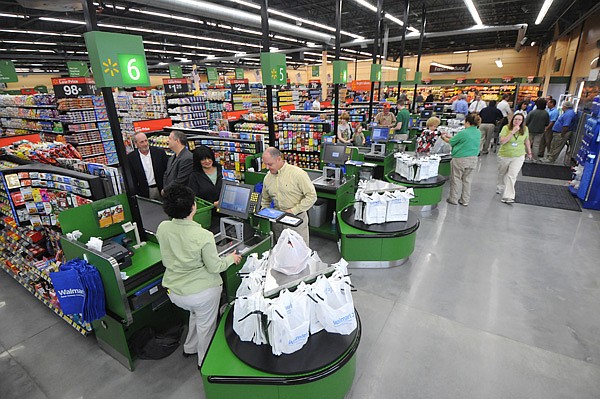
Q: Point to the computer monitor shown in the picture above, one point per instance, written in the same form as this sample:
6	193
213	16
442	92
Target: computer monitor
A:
438	109
336	154
425	114
380	134
235	199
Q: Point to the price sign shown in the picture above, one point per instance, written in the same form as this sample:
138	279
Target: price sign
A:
459	81
117	60
176	86
73	87
314	84
273	68
239	86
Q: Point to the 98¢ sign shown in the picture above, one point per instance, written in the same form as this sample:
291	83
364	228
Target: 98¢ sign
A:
73	87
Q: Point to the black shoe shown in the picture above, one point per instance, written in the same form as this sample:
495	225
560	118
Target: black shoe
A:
185	354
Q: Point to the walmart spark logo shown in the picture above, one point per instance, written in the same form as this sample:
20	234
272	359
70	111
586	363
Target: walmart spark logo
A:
110	67
274	73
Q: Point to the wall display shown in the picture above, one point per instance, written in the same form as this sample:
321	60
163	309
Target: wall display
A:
29	114
188	112
139	106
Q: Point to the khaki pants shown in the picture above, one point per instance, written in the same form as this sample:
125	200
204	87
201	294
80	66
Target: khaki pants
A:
508	170
277	228
460	179
558	142
545	143
487	133
533	138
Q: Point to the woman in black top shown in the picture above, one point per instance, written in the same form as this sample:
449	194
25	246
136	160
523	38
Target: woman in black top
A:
207	178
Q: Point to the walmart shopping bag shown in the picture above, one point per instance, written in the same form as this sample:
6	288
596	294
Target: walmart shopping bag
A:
69	290
290	254
289	322
335	307
247	318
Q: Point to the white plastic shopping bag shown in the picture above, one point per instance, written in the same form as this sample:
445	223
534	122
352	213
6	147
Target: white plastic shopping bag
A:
315	324
335	307
289	322
375	209
247	318
290	254
397	206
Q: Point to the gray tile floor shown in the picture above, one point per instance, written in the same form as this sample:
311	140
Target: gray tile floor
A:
497	301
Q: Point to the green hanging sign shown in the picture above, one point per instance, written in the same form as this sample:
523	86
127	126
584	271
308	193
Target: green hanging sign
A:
78	69
375	72
273	69
340	72
401	75
175	71
213	75
239	73
8	73
315	71
117	60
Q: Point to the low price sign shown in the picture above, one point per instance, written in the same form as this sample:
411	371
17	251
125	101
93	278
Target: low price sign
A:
239	86
73	87
176	86
117	60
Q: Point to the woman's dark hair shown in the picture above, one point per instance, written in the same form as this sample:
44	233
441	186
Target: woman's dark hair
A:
178	201
521	128
473	119
201	153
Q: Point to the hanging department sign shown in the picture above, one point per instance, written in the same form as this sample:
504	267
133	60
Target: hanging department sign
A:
117	60
340	72
175	71
77	69
273	69
8	73
375	72
315	71
456	68
239	73
212	75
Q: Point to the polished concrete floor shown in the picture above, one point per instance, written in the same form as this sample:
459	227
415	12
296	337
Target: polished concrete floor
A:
497	301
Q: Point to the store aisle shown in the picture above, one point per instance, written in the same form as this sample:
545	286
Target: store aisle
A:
497	301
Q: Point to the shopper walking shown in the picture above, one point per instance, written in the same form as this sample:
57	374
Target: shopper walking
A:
536	121
465	149
490	116
192	267
546	140
514	143
562	130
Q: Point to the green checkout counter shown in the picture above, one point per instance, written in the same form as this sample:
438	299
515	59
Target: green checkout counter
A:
428	192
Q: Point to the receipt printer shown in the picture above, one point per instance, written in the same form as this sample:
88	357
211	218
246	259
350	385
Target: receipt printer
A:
121	254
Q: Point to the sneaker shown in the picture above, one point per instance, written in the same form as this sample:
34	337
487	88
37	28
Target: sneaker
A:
463	203
499	190
507	200
451	202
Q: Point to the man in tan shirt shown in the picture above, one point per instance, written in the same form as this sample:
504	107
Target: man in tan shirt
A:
385	118
291	190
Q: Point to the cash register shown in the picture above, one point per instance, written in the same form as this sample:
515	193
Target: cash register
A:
379	137
334	156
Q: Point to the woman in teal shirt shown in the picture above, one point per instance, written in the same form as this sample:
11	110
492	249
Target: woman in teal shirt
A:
192	264
514	142
465	149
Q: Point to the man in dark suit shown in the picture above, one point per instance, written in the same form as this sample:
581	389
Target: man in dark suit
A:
148	165
181	165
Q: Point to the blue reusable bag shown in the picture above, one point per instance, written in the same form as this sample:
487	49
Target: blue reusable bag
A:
69	290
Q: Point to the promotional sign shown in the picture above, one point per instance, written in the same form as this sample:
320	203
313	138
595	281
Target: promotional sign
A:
530	79
459	81
426	81
176	86
239	73
175	71
212	74
479	81
239	86
78	69
8	73
315	71
401	75
234	115
340	72
314	84
272	66
152	125
117	60
361	85
508	79
456	68
73	87
375	73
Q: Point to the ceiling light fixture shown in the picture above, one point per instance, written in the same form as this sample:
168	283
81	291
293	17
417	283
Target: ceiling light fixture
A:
64	20
444	66
543	11
473	12
366	4
499	63
465	51
37	32
7	15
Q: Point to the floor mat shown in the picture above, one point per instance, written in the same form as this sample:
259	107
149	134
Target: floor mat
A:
547	195
546	171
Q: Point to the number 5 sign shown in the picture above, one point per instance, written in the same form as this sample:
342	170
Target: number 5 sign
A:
273	68
117	60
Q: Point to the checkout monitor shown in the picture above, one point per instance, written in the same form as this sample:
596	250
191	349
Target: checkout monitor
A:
235	199
380	134
336	154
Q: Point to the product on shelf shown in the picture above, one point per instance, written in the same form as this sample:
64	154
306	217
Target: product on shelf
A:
28	114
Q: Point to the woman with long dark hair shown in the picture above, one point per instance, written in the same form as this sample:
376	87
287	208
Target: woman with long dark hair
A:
514	143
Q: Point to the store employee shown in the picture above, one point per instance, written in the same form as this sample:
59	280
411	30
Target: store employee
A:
291	190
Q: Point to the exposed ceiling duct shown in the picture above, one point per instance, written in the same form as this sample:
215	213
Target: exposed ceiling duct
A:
232	15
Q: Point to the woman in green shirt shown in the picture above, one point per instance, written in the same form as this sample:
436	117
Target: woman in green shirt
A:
192	264
465	149
514	142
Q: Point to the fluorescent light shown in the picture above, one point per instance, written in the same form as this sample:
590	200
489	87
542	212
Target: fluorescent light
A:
410	28
286	38
593	61
473	12
163	15
247	4
465	51
239	54
437	64
33	43
543	11
7	15
366	4
394	19
64	20
347	58
252	32
163	63
499	63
